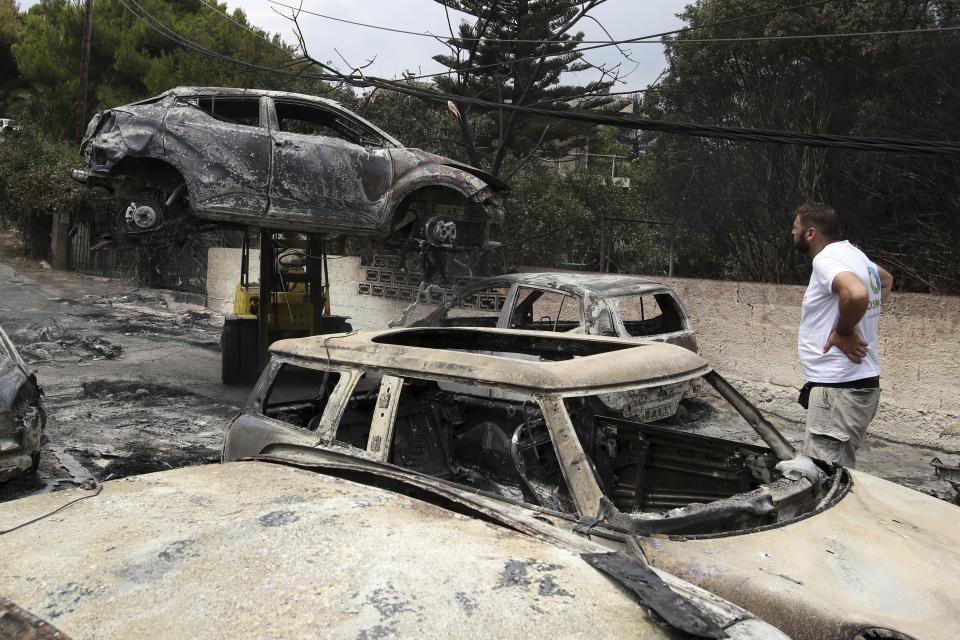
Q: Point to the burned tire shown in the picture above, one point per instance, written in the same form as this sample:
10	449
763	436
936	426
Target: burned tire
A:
240	351
230	353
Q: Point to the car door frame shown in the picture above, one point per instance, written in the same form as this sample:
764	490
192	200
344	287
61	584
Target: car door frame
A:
325	207
508	305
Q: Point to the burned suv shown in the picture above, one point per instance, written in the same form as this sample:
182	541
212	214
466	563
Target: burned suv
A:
519	425
281	160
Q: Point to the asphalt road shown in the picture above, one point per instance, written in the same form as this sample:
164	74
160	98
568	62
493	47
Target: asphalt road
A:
131	377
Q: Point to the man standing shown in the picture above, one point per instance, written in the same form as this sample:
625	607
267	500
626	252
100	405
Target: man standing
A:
838	336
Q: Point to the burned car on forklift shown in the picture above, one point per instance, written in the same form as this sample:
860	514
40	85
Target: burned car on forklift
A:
520	422
284	161
22	415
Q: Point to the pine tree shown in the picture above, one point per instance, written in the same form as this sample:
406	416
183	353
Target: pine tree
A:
527	71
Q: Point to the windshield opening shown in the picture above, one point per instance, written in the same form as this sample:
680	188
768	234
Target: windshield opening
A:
649	314
681	459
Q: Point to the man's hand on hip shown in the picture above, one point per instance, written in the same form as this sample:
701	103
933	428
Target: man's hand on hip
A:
852	345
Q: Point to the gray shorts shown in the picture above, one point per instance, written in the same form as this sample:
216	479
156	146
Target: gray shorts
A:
837	420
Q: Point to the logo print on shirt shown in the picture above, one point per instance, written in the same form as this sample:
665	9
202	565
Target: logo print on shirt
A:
874	280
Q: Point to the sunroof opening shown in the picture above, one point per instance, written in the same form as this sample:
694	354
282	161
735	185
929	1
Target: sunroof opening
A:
547	347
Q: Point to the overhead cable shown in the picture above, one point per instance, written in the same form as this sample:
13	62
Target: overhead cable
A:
947	148
608	42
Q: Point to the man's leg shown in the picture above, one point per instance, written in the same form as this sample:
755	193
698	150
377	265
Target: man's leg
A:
823	440
853	409
836	422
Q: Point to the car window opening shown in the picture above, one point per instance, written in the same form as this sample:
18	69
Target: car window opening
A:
475	309
498	446
299	395
354	427
670	477
235	110
539	310
308	120
648	315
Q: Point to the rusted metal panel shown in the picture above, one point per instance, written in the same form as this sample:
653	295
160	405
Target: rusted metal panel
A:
17	623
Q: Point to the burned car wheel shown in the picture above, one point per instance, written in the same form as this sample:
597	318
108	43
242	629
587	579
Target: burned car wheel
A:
150	211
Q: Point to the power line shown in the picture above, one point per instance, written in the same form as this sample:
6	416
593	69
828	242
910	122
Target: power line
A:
260	35
639	39
892	145
608	42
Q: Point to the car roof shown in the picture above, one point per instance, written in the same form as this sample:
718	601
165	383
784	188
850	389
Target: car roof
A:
607	284
534	361
261	550
235	91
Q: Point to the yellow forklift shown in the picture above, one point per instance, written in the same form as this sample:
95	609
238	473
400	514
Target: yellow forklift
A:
290	300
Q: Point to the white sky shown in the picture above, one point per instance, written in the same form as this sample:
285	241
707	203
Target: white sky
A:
396	53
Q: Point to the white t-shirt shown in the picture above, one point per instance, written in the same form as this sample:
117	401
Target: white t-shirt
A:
821	312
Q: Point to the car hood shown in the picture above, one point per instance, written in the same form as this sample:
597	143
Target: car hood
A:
883	556
254	549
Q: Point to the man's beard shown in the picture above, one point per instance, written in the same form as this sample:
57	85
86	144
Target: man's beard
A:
802	245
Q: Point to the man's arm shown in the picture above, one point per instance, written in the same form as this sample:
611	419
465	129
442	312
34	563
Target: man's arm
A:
886	283
853	304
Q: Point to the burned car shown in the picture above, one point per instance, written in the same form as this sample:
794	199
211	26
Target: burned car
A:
590	303
517	420
593	303
22	415
281	160
330	542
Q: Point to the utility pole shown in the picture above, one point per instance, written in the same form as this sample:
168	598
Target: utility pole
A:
84	70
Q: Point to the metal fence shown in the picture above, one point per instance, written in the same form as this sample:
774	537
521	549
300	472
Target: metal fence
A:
181	266
85	231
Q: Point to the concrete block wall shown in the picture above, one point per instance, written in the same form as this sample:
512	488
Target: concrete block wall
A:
748	331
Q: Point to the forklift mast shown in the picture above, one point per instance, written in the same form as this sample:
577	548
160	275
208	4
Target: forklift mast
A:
290	300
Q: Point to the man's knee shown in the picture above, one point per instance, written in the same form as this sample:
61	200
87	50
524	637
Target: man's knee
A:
830	449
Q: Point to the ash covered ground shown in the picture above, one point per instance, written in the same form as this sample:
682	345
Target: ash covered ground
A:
131	377
132	384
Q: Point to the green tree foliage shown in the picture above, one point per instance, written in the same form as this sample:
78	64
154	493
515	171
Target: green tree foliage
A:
415	122
33	185
130	61
554	218
548	29
733	198
9	30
